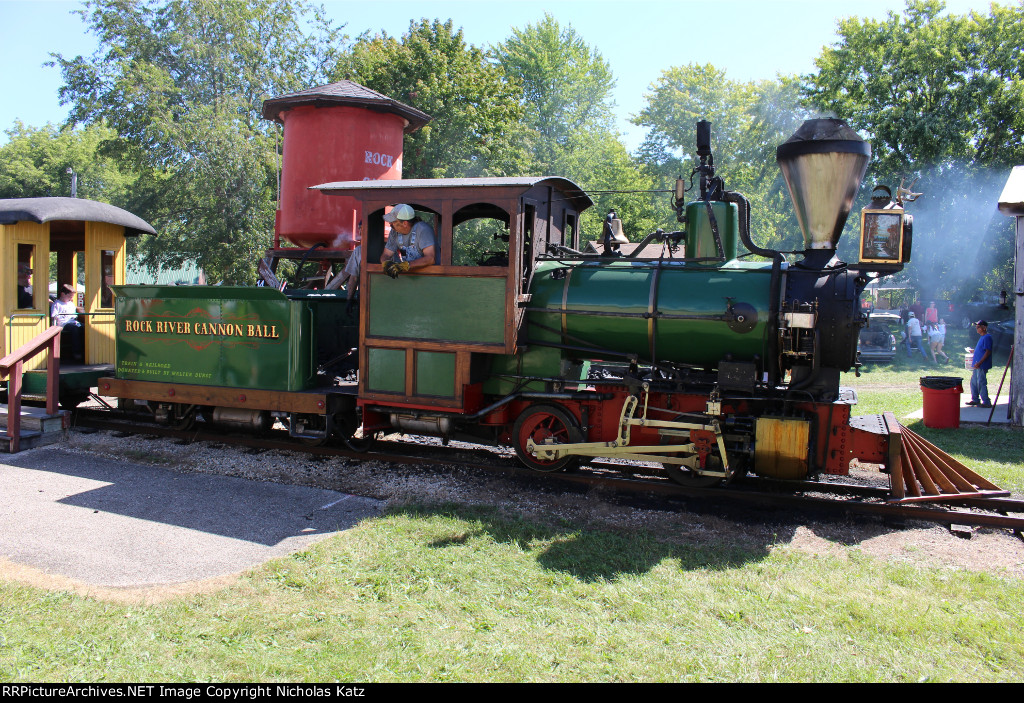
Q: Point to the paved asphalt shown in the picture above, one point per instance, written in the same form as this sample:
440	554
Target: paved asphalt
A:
119	524
969	413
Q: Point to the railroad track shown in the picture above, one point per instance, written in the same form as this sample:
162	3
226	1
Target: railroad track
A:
834	497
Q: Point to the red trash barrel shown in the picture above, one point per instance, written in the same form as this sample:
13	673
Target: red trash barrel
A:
942	401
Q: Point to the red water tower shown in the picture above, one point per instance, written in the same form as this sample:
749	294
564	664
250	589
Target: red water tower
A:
337	132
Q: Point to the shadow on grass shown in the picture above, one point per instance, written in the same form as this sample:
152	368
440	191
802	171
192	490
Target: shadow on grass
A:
590	554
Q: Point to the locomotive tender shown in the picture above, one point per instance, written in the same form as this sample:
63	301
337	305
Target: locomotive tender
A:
707	363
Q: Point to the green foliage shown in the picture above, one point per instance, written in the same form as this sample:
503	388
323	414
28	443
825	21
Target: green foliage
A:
938	96
34	163
477	241
568	118
602	167
749	120
928	88
566	86
182	84
476	115
216	207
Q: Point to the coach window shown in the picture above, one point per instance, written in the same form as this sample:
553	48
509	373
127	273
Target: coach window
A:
480	236
107	267
377	231
24	288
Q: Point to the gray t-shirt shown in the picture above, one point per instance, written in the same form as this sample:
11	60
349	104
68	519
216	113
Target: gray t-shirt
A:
419	238
352	265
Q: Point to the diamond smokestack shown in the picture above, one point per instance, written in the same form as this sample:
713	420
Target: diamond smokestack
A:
823	164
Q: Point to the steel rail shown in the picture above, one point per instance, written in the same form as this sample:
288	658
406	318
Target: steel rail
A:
764	492
1010	505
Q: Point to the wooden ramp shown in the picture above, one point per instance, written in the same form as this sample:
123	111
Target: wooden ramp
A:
37	428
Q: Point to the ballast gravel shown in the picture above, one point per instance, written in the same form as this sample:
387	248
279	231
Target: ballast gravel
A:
990	550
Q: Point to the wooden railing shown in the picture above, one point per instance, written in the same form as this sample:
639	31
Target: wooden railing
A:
12	366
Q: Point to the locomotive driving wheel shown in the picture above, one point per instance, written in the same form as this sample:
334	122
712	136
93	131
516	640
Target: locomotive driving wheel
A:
546	424
685	476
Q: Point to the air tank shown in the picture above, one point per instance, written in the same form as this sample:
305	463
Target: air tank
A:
337	132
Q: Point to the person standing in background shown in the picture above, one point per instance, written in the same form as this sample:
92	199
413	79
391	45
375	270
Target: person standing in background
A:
936	338
914	336
917	309
981	362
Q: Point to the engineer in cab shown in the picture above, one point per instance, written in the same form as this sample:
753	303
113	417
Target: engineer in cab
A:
411	245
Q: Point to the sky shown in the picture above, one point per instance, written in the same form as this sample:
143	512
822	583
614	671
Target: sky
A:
749	40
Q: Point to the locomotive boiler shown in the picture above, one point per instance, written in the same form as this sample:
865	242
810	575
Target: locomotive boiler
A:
763	324
697	358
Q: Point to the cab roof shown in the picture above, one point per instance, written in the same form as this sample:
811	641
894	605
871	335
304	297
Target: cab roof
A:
568	190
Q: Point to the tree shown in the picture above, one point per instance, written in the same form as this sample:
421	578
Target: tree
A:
749	120
475	129
566	86
182	84
898	79
569	119
938	96
34	163
599	163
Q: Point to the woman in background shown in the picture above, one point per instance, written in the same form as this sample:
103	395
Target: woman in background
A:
936	338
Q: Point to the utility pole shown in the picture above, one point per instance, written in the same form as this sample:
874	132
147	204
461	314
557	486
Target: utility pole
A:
1011	202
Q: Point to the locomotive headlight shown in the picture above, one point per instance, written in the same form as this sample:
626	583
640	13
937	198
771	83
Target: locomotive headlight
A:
885	237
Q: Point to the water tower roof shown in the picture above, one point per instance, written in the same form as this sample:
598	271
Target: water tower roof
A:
344	93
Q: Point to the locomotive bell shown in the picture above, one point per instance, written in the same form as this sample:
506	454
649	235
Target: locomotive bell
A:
823	164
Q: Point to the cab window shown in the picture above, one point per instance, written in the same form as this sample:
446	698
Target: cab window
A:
480	236
378	231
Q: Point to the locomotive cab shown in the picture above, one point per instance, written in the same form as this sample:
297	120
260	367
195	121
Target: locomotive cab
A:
424	336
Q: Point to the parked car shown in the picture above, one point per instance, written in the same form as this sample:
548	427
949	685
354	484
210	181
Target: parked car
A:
990	310
877	341
1002	335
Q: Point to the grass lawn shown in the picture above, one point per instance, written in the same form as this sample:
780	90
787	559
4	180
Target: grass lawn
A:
996	452
449	592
